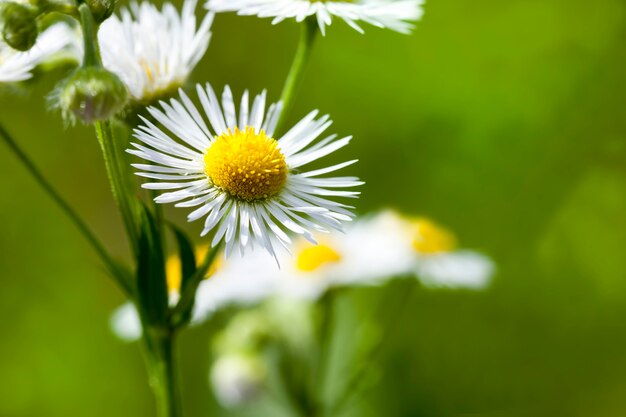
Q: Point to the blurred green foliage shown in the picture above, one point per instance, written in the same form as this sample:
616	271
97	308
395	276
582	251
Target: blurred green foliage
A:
502	119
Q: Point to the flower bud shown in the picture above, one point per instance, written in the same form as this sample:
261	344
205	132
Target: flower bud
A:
91	94
237	379
101	9
19	25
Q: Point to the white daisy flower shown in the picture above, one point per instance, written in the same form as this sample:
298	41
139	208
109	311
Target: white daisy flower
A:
249	187
391	14
154	51
17	66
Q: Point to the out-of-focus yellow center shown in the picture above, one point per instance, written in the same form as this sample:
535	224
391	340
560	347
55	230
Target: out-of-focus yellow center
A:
173	269
152	69
431	238
246	164
160	82
314	257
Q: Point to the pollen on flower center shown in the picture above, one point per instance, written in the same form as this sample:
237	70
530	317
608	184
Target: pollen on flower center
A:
431	238
246	164
314	257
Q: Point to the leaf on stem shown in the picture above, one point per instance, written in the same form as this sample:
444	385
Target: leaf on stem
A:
186	255
152	294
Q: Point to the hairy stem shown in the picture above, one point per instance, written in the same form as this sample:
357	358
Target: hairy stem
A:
300	60
80	224
114	162
90	37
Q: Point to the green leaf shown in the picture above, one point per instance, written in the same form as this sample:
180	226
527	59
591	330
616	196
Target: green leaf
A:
152	294
187	257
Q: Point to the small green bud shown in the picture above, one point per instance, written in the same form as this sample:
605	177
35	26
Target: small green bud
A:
19	25
91	94
101	9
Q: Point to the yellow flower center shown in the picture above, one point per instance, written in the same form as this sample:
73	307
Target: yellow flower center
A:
246	164
173	269
431	238
314	257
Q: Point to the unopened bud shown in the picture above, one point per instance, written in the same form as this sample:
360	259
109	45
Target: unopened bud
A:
19	25
101	9
91	94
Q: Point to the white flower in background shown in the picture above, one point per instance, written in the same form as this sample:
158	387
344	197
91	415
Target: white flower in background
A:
371	251
439	261
154	51
391	14
242	281
125	322
17	66
249	187
237	378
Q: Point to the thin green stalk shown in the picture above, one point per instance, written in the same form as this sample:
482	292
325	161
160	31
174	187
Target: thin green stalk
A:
294	79
90	32
326	333
114	162
355	382
80	224
160	358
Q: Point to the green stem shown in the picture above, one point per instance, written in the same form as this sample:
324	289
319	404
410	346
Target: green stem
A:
356	380
326	333
160	357
80	224
116	169
90	32
294	79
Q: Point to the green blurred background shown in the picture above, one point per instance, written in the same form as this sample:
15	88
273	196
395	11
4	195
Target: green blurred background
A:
505	120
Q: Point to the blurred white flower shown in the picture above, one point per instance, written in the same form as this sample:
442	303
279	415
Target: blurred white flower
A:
390	14
154	51
439	263
250	188
125	323
17	66
237	378
369	253
459	269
